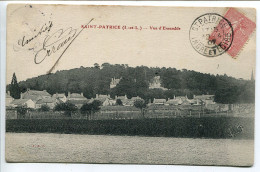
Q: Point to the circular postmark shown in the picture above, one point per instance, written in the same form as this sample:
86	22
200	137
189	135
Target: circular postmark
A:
211	34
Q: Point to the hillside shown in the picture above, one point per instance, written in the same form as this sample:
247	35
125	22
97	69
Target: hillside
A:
135	81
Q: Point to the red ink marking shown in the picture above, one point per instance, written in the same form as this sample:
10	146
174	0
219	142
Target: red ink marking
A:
126	27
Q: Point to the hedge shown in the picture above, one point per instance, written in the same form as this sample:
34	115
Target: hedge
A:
206	127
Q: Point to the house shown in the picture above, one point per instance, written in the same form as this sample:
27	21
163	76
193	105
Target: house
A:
35	95
75	96
8	99
183	100
204	99
136	98
121	97
78	103
28	103
105	99
159	101
108	102
60	96
129	103
180	100
100	96
172	102
38	97
124	99
114	82
51	102
156	84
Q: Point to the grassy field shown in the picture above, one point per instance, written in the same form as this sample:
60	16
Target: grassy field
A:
49	147
187	127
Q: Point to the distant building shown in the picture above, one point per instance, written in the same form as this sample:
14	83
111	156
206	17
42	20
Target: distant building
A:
35	95
45	101
114	82
27	103
105	99
159	101
109	102
75	96
204	99
136	98
131	101
78	103
100	96
180	100
156	84
62	97
8	99
38	97
121	97
126	101
173	102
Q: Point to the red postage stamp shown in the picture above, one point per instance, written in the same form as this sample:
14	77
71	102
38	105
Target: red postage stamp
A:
242	28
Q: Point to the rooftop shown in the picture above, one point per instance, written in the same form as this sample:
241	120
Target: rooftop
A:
19	101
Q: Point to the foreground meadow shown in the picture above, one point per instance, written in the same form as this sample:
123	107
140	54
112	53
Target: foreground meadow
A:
49	147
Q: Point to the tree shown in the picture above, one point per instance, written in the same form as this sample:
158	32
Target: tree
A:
21	111
90	108
227	95
67	107
140	104
44	108
96	65
14	88
119	102
135	82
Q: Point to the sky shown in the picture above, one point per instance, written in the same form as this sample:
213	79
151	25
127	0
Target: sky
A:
148	47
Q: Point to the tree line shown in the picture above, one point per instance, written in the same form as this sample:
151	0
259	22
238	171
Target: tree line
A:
135	82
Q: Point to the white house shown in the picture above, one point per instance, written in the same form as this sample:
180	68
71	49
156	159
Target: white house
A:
159	101
205	99
76	96
28	103
60	96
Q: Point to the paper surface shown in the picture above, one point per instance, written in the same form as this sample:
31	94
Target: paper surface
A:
44	39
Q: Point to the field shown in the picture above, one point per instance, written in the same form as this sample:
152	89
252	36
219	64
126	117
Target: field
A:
49	147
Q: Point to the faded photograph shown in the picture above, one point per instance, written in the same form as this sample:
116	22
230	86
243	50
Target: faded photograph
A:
130	85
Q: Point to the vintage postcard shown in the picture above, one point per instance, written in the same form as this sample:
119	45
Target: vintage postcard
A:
130	84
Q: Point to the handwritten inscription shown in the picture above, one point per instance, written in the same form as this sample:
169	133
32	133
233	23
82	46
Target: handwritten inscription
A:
45	28
60	40
53	43
56	42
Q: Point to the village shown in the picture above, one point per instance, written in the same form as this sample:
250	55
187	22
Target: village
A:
35	99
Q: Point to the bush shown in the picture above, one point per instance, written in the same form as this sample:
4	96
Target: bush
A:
21	111
67	107
90	108
140	104
119	102
44	108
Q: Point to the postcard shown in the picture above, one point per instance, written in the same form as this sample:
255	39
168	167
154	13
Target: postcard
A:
130	84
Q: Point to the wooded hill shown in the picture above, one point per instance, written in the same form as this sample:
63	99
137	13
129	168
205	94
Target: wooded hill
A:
135	82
